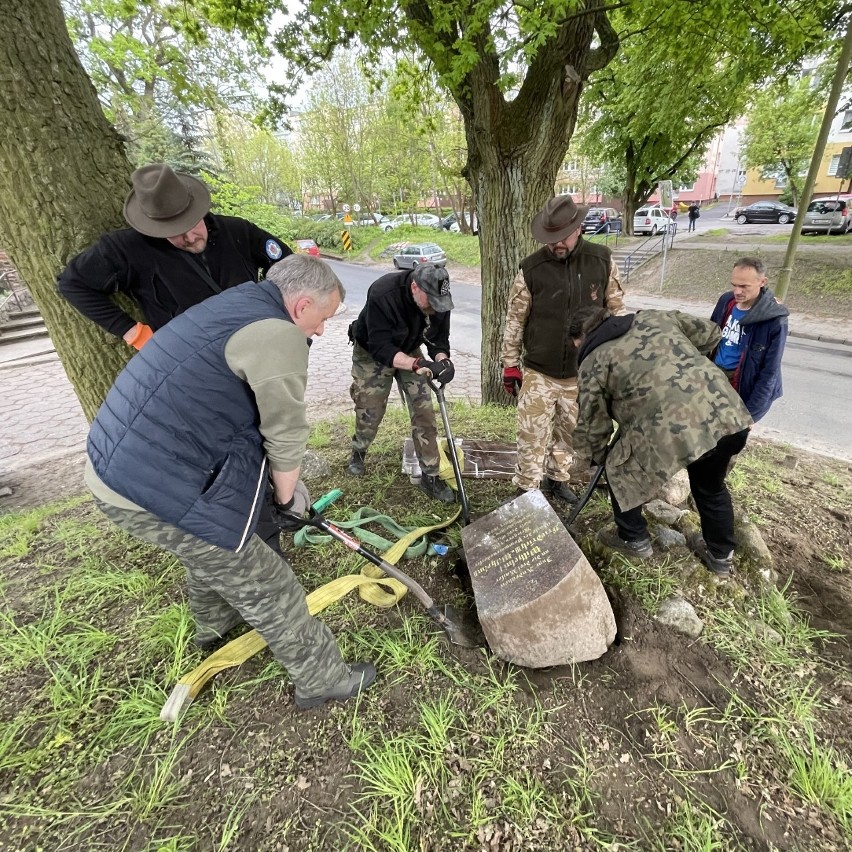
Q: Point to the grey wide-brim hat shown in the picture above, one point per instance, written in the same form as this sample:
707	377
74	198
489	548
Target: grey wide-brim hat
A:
434	281
165	203
560	217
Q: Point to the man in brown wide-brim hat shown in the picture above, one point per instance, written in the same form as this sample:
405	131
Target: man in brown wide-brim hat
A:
564	275
175	254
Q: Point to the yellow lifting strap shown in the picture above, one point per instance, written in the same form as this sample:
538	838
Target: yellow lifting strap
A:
373	585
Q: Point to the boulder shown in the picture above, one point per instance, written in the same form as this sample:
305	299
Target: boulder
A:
662	512
668	538
539	602
314	466
750	543
676	490
680	615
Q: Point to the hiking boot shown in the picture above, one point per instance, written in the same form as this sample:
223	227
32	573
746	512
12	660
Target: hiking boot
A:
561	490
721	566
356	462
436	488
641	548
360	676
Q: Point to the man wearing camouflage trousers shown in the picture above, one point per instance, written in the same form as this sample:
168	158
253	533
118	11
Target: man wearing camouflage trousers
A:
554	282
199	422
649	372
404	310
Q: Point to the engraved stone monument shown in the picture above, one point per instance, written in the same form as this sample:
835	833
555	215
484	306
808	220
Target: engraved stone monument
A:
538	600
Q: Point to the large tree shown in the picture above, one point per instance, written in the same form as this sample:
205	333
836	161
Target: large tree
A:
654	110
63	178
782	128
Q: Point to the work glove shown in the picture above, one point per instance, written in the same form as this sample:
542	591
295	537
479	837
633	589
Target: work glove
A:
284	514
139	335
429	369
446	371
513	378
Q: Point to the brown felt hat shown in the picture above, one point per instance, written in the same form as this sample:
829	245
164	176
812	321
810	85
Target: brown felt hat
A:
560	217
165	203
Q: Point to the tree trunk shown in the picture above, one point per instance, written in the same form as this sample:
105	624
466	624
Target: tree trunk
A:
63	178
515	149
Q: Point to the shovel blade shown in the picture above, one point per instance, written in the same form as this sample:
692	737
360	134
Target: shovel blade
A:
462	628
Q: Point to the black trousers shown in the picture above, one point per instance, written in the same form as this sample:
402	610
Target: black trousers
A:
711	495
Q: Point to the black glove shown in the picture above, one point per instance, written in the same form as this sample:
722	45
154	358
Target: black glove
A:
289	516
447	371
429	369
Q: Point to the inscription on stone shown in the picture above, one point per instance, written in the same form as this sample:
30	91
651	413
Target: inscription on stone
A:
539	601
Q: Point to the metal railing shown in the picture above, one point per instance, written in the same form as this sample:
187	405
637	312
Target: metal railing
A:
648	248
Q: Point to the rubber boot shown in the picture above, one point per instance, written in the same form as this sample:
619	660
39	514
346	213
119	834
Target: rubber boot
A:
356	462
561	490
436	488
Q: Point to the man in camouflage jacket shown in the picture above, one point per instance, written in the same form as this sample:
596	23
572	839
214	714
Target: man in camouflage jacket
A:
564	275
650	373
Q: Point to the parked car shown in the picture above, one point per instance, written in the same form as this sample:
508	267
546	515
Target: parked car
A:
307	247
426	220
413	255
451	223
598	220
765	211
651	220
828	216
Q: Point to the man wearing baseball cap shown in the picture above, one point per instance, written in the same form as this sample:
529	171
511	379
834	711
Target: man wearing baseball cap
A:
404	310
564	275
175	254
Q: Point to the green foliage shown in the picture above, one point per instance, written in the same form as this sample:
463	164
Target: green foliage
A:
782	130
156	63
229	199
677	81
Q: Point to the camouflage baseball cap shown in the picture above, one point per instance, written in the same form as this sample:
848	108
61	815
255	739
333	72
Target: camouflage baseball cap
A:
434	281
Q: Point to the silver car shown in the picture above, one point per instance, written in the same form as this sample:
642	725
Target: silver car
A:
413	255
828	216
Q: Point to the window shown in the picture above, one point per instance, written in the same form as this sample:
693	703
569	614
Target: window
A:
833	165
684	188
780	181
567	189
846	124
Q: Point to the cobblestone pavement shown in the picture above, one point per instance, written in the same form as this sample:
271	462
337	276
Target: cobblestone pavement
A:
41	419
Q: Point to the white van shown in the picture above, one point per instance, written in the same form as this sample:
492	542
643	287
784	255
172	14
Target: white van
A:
651	220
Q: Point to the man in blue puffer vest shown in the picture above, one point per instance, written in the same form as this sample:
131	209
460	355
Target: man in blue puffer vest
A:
754	331
183	447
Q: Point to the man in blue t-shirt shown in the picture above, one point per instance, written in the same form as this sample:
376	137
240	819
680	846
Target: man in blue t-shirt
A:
754	330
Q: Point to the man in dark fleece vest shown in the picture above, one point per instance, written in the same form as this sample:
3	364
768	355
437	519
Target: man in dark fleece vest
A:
566	274
754	331
180	453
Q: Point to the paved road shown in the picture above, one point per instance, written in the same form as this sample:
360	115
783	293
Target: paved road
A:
40	418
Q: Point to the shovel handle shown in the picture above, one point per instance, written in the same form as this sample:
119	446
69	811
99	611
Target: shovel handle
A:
438	389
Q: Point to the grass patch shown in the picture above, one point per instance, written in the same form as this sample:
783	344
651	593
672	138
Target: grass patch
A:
460	248
452	748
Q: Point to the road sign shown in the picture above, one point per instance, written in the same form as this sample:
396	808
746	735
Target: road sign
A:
347	219
844	167
666	194
346	238
356	208
346	208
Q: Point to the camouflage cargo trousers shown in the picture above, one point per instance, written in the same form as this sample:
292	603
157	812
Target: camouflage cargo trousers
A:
254	585
370	389
547	416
